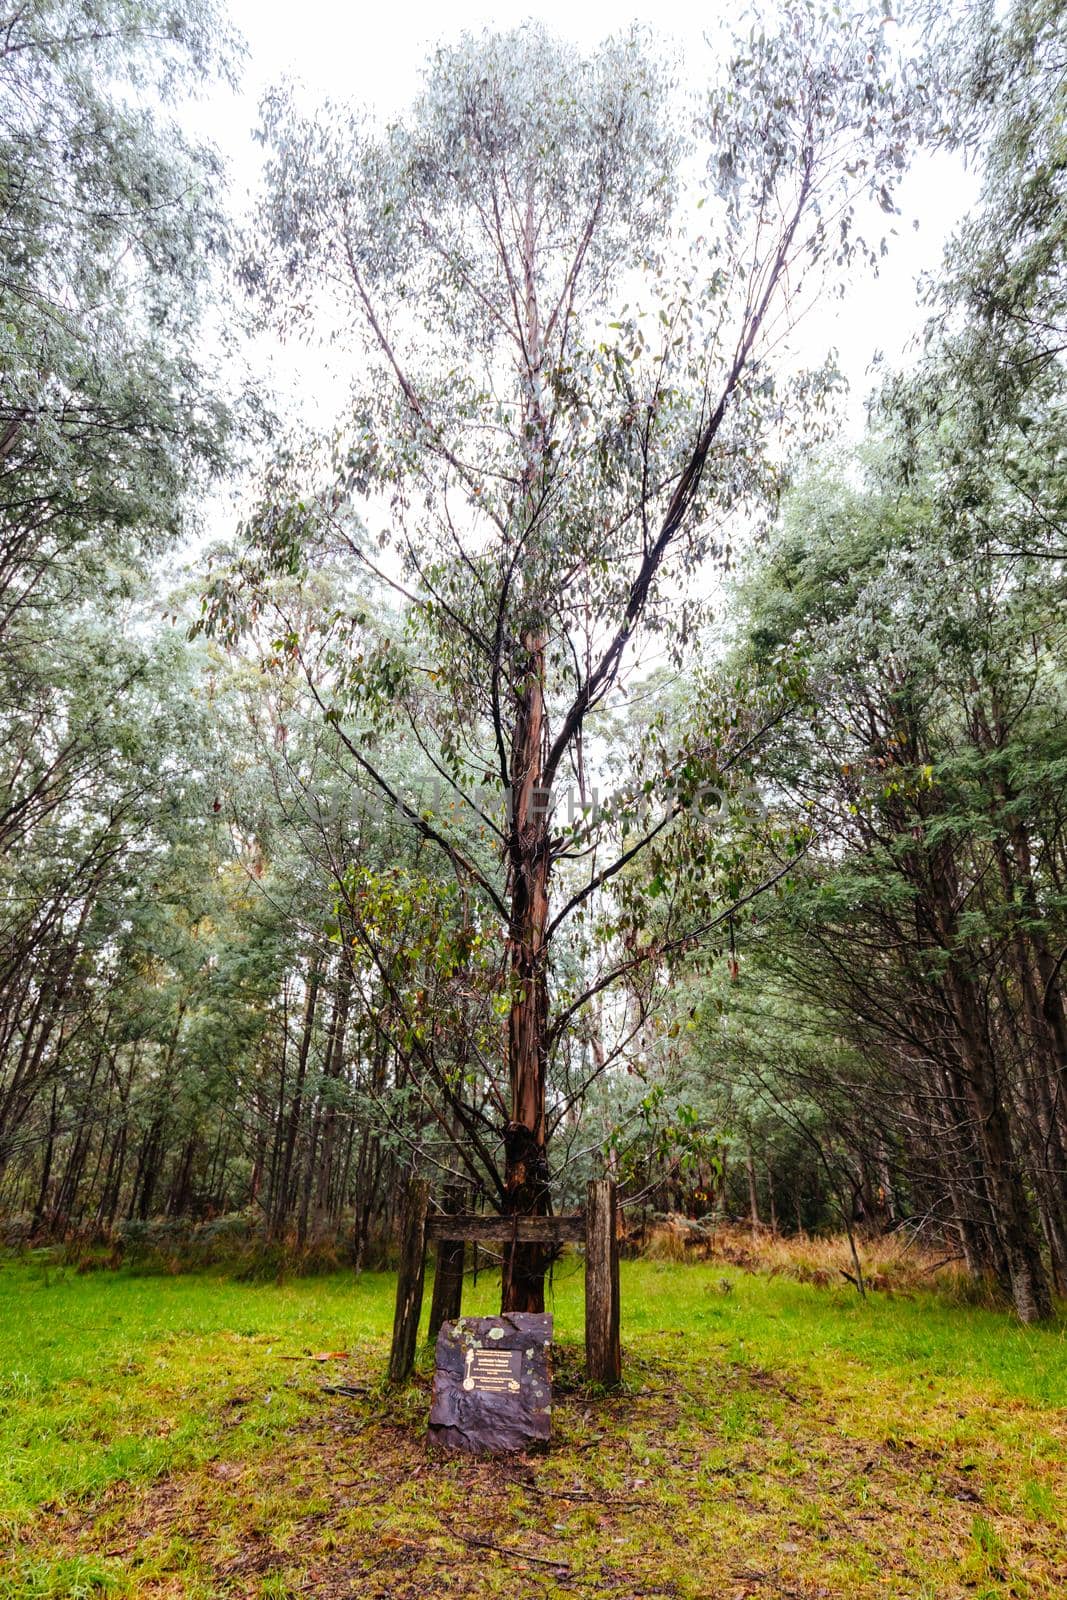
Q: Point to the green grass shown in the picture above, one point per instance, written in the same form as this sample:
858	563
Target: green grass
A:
913	1340
157	1437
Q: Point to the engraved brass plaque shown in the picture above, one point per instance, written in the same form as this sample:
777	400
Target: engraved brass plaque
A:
492	1384
493	1371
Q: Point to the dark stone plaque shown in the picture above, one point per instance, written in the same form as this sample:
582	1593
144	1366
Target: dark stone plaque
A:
492	1388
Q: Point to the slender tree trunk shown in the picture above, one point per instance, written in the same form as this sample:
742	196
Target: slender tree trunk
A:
283	1196
335	1058
181	1186
278	1138
46	1169
753	1195
526	1162
1027	1281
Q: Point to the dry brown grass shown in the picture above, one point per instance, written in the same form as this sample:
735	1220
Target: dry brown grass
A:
893	1263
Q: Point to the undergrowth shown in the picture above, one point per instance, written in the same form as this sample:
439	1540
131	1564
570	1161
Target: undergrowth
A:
894	1263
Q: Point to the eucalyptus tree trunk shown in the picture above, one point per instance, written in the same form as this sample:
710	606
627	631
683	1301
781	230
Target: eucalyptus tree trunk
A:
1024	1277
325	1177
753	1196
526	1160
40	1208
284	1192
526	1187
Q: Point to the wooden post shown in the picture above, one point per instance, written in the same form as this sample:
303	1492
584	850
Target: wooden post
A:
448	1271
409	1281
603	1353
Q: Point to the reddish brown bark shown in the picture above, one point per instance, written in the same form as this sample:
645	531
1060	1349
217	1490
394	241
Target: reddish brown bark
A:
526	1166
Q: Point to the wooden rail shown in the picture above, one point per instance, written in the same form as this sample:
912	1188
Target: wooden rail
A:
524	1230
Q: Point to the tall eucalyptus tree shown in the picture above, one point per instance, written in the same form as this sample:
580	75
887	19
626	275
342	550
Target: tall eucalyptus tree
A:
540	471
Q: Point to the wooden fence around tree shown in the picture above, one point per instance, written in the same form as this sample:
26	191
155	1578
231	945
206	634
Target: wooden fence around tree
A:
452	1230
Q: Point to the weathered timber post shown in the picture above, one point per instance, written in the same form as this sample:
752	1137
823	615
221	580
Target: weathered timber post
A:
603	1352
447	1299
409	1281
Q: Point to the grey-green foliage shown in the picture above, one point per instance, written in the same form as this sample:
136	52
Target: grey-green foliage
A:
486	249
926	751
111	228
912	601
997	336
415	204
111	222
565	285
1005	265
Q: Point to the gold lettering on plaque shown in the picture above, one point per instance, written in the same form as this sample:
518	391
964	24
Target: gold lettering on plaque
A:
493	1371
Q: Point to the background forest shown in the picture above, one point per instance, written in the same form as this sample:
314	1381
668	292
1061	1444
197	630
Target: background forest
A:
572	710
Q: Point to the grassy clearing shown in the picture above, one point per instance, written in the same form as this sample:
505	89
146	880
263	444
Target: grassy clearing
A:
775	1439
